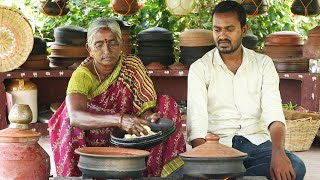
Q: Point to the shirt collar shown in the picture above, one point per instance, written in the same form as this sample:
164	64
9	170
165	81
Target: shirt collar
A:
216	58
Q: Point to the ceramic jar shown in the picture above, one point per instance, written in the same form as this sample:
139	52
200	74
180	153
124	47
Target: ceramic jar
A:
24	91
21	157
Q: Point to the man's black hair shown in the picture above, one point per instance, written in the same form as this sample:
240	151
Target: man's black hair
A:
231	6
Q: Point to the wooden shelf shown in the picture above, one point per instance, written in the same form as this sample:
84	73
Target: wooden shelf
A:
299	88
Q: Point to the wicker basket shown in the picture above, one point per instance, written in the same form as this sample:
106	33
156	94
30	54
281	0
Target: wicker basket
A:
301	130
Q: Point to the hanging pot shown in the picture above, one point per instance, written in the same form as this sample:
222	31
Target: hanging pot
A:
306	7
21	157
54	8
254	7
180	7
125	7
213	160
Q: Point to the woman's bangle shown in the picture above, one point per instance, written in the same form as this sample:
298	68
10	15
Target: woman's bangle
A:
120	120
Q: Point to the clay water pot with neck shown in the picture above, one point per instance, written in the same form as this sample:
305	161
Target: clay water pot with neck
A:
21	157
213	160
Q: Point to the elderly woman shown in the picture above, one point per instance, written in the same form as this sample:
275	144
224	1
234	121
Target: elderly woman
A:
111	90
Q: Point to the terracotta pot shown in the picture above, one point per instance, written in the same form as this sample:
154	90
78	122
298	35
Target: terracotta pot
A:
311	49
213	160
52	8
155	66
178	66
284	38
125	7
21	157
295	65
282	51
196	37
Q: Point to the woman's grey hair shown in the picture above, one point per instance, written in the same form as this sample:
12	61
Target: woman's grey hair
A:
102	23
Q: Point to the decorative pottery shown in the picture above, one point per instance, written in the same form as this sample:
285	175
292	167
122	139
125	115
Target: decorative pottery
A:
24	91
213	160
21	157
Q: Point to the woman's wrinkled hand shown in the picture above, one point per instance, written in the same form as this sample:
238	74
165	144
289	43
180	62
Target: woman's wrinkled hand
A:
133	124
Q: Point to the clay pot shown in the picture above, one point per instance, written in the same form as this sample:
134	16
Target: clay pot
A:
311	49
305	7
125	7
178	66
24	91
293	65
52	8
255	7
250	41
155	66
196	37
284	38
213	160
111	162
21	157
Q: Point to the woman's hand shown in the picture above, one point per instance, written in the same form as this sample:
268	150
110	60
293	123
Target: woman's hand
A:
154	117
133	124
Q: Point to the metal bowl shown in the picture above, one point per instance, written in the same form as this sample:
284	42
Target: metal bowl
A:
111	162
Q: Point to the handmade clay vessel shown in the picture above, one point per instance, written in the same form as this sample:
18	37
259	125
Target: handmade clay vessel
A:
21	157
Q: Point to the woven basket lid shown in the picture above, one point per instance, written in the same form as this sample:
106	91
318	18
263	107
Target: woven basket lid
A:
16	39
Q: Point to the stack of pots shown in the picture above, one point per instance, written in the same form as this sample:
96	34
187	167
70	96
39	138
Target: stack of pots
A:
37	59
250	41
69	48
311	49
156	45
126	36
285	49
194	43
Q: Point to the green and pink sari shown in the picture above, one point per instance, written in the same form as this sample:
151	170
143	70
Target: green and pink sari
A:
128	90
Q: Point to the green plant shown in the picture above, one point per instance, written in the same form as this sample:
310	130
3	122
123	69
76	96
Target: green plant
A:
289	106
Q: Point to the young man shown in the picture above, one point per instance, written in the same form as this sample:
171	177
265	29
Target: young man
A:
234	93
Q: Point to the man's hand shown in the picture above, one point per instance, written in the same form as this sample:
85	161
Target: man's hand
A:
281	167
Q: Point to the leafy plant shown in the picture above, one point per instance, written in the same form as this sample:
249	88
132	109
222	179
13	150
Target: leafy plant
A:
289	106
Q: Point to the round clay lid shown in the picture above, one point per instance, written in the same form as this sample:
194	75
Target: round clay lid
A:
15	135
284	38
213	149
